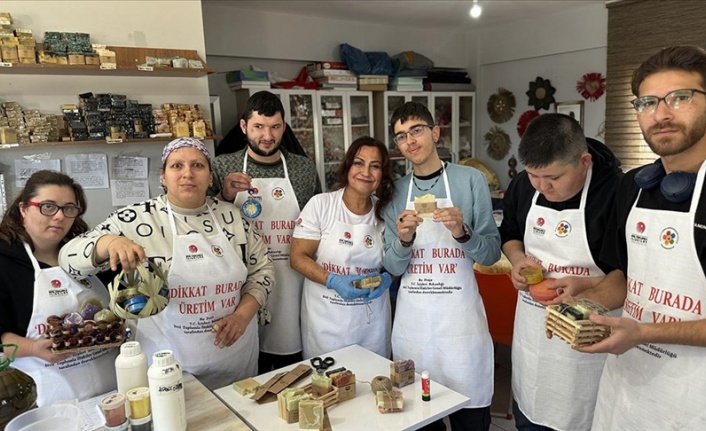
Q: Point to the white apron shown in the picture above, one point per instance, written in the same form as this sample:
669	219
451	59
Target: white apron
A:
84	374
276	222
440	321
658	386
205	280
554	385
330	322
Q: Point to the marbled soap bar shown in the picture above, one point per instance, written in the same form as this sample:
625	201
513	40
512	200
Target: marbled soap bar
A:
311	414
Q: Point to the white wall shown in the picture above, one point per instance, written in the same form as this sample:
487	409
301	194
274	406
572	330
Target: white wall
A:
561	47
237	37
159	24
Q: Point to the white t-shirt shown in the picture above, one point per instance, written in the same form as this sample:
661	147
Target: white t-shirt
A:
323	210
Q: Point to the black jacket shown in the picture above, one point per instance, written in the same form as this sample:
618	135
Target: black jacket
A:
599	202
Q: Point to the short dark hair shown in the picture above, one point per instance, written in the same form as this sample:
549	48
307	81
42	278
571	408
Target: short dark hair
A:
411	110
552	138
687	58
11	227
386	189
264	103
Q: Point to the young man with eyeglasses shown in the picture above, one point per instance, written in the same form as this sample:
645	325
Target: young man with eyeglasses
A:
440	321
568	181
656	237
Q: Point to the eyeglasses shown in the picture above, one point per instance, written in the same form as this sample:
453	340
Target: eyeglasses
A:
674	100
415	131
49	209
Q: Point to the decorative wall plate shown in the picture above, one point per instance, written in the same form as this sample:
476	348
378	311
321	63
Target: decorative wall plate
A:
524	121
591	86
498	143
501	105
541	94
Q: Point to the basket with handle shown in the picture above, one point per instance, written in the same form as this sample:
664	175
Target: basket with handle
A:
151	284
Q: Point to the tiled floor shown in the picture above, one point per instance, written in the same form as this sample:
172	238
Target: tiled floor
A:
501	397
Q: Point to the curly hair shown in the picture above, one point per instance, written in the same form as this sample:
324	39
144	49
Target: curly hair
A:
386	189
11	227
686	58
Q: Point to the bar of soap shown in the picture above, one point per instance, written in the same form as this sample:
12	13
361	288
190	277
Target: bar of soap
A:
311	414
425	205
342	379
246	387
389	401
291	398
532	274
321	381
368	282
402	365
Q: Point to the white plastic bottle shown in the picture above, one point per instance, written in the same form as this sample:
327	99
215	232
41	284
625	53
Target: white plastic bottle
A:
130	369
167	393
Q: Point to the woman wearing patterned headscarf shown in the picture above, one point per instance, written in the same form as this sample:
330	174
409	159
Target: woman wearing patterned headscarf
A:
219	270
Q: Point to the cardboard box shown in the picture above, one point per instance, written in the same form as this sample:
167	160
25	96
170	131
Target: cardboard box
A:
9	54
77	59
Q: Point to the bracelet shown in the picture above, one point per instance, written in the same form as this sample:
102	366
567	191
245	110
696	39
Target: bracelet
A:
406	244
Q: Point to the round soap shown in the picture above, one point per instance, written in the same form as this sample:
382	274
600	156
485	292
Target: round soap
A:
532	274
540	293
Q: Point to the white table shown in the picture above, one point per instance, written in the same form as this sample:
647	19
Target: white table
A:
361	412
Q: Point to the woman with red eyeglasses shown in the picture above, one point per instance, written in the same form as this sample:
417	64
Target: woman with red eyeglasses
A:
45	215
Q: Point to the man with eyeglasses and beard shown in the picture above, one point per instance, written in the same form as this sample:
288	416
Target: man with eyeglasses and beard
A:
655	378
271	186
439	320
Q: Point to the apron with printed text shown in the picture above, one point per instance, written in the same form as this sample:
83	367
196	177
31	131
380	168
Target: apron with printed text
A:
658	386
276	223
205	281
553	384
440	321
82	375
330	322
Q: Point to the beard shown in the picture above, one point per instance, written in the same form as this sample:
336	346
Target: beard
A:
252	144
669	146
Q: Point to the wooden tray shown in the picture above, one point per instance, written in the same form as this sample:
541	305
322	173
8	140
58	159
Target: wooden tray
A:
574	332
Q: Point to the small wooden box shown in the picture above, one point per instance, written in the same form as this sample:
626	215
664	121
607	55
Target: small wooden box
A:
8	135
9	54
92	59
574	332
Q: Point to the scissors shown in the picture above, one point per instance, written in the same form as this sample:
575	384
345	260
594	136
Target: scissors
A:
322	364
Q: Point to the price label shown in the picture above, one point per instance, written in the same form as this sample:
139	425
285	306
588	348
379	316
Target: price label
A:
5	64
113	141
145	68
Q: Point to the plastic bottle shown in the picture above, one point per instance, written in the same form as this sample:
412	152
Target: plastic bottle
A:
130	369
426	386
166	393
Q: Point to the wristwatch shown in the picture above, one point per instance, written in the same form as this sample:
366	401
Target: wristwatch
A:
466	234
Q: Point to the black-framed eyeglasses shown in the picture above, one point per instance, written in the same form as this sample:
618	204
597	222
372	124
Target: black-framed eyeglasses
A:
49	209
415	131
674	100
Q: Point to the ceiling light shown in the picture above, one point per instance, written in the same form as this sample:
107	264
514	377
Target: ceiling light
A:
476	10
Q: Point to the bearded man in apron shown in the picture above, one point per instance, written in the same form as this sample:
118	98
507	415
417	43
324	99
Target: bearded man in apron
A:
271	186
440	320
568	181
655	378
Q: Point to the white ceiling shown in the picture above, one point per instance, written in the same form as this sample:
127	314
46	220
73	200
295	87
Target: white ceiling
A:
417	13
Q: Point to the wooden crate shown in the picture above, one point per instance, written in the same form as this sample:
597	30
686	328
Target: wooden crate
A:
574	332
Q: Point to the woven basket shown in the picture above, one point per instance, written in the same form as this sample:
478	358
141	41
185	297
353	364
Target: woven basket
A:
148	284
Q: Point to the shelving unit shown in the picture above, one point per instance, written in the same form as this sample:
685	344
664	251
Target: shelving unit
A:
95	142
127	59
454	113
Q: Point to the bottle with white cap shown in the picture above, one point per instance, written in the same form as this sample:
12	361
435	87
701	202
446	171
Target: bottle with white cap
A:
167	393
130	369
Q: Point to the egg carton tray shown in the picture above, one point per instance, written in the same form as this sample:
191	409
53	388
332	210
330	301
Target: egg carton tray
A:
574	332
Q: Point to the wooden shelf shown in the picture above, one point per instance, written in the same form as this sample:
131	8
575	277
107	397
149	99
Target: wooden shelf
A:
127	58
96	142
